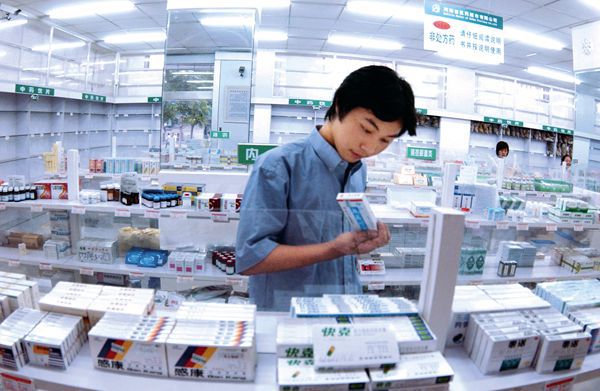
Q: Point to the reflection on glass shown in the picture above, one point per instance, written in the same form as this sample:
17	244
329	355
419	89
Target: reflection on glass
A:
502	149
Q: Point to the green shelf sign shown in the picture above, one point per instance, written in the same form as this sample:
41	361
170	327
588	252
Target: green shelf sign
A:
502	121
93	98
421	111
558	130
154	99
309	102
25	89
248	153
215	134
421	153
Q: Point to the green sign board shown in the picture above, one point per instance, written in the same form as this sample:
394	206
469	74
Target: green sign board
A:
154	99
215	134
309	102
558	130
248	153
421	153
421	111
503	121
24	89
93	98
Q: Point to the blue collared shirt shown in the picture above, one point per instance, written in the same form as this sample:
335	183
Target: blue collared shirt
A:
290	199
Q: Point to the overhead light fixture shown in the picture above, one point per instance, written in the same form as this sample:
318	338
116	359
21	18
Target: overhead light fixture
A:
591	3
552	74
154	36
460	57
85	9
2	53
191	73
386	9
271	35
227	21
533	39
365	43
58	46
12	23
203	4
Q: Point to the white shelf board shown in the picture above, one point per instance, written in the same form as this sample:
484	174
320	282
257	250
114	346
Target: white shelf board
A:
467	376
81	375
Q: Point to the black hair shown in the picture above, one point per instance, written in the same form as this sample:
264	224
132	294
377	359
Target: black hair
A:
380	90
500	146
564	157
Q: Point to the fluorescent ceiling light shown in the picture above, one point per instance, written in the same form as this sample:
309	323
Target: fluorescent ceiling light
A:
454	56
199	81
385	9
88	8
196	4
12	23
58	46
227	21
271	35
552	74
154	36
592	3
533	39
185	73
365	43
2	53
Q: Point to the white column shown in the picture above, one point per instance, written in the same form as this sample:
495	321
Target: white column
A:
444	240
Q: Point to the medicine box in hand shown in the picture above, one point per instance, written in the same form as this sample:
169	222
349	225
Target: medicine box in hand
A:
357	210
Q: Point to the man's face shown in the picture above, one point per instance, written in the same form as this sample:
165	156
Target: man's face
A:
360	134
503	152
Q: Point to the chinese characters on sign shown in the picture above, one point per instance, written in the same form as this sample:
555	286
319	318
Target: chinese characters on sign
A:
463	32
421	153
248	153
24	89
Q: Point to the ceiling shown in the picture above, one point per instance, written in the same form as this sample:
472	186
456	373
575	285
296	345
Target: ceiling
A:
309	23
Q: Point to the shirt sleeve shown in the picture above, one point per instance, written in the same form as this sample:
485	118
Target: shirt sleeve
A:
263	216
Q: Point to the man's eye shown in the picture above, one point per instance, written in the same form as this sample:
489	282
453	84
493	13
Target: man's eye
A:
367	131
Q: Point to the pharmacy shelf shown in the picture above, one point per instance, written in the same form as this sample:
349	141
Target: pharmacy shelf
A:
467	376
81	375
118	209
91	175
381	185
542	271
536	194
210	276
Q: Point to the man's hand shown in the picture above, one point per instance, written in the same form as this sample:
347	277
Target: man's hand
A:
361	242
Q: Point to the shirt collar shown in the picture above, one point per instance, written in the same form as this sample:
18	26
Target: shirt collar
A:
327	153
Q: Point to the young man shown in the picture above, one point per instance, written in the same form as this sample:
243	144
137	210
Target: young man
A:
292	238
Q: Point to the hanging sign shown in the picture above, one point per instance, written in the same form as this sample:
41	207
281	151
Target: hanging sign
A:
463	32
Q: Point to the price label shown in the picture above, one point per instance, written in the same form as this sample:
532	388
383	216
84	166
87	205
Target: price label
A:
425	223
122	212
45	266
78	210
136	274
89	176
551	227
502	225
86	271
234	280
185	279
14	263
473	224
227	168
376	286
36	208
12	382
475	282
151	214
578	227
219	217
522	226
560	385
2	206
353	345
178	214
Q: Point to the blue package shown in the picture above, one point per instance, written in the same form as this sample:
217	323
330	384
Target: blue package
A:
148	260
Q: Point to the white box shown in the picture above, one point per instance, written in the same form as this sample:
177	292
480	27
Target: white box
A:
508	351
413	370
562	352
357	210
300	375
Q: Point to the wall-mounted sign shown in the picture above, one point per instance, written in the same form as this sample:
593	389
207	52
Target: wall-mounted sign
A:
93	98
309	102
216	134
502	121
154	99
421	153
463	32
558	130
248	153
25	89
